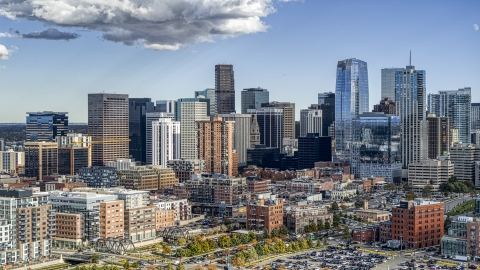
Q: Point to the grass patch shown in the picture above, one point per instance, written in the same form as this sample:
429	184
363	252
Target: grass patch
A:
466	207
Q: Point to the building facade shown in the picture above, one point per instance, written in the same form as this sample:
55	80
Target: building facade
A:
387	106
270	125
111	219
326	101
140	223
388	83
241	131
46	126
188	112
313	148
41	158
265	214
185	168
151	118
429	172
288	113
474	116
210	94
10	161
463	156
165	141
99	177
310	121
252	98
225	88
438	136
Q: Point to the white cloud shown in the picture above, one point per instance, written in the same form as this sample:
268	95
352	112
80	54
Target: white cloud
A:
6	34
4	53
159	24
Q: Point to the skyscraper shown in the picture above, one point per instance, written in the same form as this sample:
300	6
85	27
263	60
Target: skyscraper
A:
313	148
456	106
288	109
74	152
211	95
241	132
326	101
410	105
270	123
215	143
150	118
165	141
388	83
386	106
225	88
351	100
41	158
188	112
311	120
254	132
46	126
252	98
438	136
475	116
108	127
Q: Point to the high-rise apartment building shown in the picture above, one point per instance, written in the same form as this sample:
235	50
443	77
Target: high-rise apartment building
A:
74	152
215	143
386	105
351	100
10	161
388	83
475	116
112	219
376	146
188	112
165	141
242	126
108	125
152	117
288	110
270	123
225	88
252	98
438	136
455	105
41	158
326	101
311	120
410	103
46	126
210	94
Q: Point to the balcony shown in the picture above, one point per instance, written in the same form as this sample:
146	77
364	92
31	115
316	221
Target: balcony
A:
52	210
22	219
51	215
22	229
22	214
23	239
51	224
52	229
52	234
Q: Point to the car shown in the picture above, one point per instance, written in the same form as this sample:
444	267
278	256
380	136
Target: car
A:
472	266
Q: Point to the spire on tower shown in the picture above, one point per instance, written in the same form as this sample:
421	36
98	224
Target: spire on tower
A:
410	57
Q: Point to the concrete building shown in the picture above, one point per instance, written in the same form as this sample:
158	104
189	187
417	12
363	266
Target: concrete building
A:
418	224
167	127
297	217
462	238
224	89
10	161
111	219
180	207
122	164
438	136
210	94
311	120
41	158
241	131
216	146
165	141
188	112
74	152
429	172
46	126
99	177
140	223
288	113
265	214
463	156
373	215
185	168
139	178
166	177
474	116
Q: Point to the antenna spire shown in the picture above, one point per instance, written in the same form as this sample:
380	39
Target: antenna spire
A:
410	57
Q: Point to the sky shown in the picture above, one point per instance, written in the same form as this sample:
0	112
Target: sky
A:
53	53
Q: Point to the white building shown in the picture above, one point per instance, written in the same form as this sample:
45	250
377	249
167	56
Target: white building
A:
122	164
429	172
9	160
182	208
310	122
165	141
189	111
150	118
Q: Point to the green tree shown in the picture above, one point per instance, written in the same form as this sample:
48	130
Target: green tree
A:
170	267
447	223
334	206
280	247
313	227
325	243
253	254
306	229
327	225
266	250
239	262
302	243
320	226
265	234
310	242
224	241
274	233
95	257
452	179
135	264
410	196
407	187
390	186
427	191
167	250
346	233
251	236
180	267
283	230
319	243
126	265
181	241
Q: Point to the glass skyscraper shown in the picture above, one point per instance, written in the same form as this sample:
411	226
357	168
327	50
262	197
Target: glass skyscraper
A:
252	98
46	126
455	105
211	95
388	82
376	150
351	100
326	103
410	91
225	89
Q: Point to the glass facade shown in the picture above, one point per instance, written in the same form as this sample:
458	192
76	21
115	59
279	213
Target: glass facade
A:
326	103
388	82
99	177
225	88
454	246
46	126
270	122
376	146
351	100
455	105
211	95
252	98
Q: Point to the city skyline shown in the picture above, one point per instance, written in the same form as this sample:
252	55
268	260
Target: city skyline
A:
289	53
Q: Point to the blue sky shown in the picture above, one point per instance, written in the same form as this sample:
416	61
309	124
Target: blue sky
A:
295	58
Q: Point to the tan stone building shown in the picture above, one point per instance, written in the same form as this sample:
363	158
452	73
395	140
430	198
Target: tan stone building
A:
298	216
166	177
139	178
69	230
373	215
164	219
112	219
140	223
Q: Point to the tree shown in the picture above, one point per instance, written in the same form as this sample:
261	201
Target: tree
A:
407	188
410	196
126	265
344	207
283	230
274	233
211	267
170	267
325	243
310	242
167	250
313	227
239	262
346	233
390	186
253	254
447	223
306	229
224	241
359	204
181	241
198	267
135	264
427	191
334	206
327	225
268	241
266	234
320	226
95	257
452	179
180	267
319	244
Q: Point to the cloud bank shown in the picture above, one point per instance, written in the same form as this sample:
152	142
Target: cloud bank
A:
158	24
4	53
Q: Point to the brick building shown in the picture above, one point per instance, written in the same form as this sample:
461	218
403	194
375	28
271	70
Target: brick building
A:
418	224
366	234
111	219
265	214
257	185
298	216
69	230
140	223
164	219
385	231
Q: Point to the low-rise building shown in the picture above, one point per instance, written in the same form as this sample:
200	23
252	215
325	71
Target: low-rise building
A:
99	177
429	172
164	219
366	234
140	223
69	230
372	215
185	168
342	194
385	231
181	208
265	214
257	185
297	217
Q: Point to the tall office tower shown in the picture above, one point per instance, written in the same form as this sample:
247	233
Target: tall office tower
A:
254	132
188	112
288	109
137	126
211	95
108	127
2	144
10	161
46	126
252	98
167	106
215	143
456	106
225	89
311	120
438	136
241	131
410	106
386	105
475	116
149	119
351	100
313	148
464	156
165	141
388	83
270	123
74	152
41	158
376	146
326	101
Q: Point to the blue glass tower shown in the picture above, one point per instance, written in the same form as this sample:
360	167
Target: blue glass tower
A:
351	100
46	126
